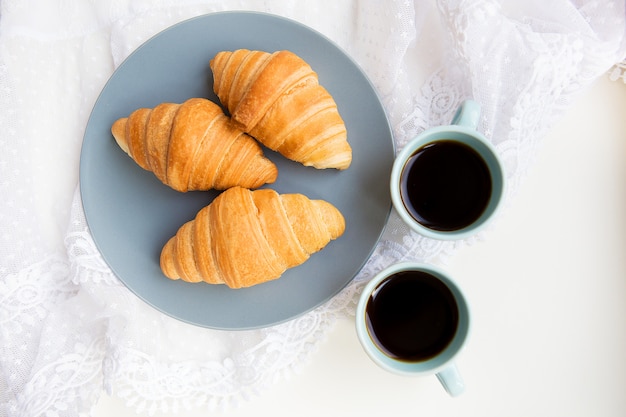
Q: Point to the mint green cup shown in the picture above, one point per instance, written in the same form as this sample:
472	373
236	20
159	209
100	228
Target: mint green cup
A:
461	130
442	364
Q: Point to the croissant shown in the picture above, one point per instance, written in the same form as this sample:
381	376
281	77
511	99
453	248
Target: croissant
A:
246	237
193	146
277	99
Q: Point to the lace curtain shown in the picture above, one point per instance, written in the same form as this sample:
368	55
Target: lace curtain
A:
69	328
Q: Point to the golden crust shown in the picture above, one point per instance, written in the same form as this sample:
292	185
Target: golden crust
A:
193	146
245	237
277	99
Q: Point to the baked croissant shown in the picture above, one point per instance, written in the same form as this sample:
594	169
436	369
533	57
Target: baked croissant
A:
193	146
245	237
277	99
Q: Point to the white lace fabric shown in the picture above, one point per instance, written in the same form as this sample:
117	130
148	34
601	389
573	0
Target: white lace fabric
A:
69	328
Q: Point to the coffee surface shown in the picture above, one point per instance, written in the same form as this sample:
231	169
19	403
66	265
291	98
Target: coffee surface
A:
446	185
412	316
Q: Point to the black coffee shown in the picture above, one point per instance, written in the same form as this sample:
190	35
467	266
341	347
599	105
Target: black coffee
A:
412	316
446	185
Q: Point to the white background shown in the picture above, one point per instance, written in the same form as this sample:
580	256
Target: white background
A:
547	289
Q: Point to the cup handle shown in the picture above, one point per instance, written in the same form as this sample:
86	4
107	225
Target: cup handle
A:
467	115
451	380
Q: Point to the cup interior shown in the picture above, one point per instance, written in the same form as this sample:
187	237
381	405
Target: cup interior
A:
431	365
465	136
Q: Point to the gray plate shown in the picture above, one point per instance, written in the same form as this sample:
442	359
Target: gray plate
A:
131	214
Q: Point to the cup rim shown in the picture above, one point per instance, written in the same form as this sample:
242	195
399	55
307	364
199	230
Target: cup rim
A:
430	366
496	171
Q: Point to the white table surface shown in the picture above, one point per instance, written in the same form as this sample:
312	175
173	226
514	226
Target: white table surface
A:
548	295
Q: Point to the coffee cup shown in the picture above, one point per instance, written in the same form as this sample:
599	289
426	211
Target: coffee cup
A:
412	319
448	182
